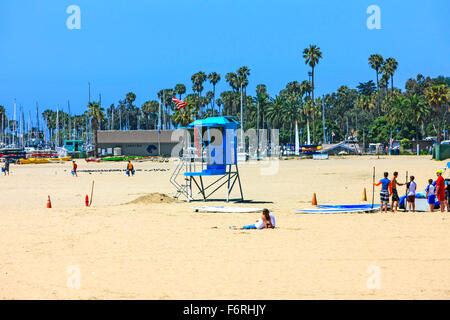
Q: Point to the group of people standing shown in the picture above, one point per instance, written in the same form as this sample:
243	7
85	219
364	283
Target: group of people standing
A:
435	189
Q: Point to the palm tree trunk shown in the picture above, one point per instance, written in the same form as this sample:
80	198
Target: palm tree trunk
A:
417	133
378	93
307	124
439	123
313	105
214	99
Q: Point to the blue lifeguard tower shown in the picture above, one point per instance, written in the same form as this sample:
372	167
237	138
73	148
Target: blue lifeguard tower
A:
213	153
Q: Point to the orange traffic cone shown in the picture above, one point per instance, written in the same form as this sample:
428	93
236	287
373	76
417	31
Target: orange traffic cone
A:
49	203
314	200
87	201
364	197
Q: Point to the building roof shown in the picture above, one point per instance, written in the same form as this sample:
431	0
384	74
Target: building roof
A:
214	121
135	136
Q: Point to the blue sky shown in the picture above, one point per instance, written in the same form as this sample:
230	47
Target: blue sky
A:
145	46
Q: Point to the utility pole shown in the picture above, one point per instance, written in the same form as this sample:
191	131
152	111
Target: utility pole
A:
346	138
242	124
37	120
257	132
70	120
57	127
323	120
14	123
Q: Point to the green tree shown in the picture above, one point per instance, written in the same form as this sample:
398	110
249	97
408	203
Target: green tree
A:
186	115
438	97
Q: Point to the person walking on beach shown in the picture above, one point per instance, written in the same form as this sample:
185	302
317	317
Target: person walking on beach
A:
440	191
6	167
267	221
385	191
74	169
411	194
431	197
130	168
394	192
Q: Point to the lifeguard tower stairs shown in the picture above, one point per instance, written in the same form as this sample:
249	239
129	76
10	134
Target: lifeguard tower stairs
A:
210	163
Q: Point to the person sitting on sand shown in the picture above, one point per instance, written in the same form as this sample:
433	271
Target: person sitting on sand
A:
394	193
385	191
130	168
411	194
431	197
266	221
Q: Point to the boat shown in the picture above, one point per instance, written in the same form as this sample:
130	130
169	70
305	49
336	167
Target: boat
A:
44	160
93	159
421	202
12	154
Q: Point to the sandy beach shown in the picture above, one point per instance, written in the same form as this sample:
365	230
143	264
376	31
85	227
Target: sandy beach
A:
152	249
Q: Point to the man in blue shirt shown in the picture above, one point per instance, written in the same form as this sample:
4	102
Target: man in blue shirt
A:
386	190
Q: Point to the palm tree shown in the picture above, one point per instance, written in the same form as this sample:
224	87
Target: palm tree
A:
149	108
180	89
312	55
261	99
95	113
438	97
390	67
214	78
419	111
275	111
186	115
242	74
233	80
197	84
376	62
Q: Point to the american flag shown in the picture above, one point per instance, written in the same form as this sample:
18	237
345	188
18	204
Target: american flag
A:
179	104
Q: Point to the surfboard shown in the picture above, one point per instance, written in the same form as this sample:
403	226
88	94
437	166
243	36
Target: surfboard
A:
224	209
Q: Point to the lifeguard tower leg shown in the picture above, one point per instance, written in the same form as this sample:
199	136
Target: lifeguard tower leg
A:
229	179
202	189
239	181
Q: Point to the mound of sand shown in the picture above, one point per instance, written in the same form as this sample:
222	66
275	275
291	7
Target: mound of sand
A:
153	198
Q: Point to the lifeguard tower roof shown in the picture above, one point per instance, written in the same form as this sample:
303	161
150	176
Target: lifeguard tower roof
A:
227	121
